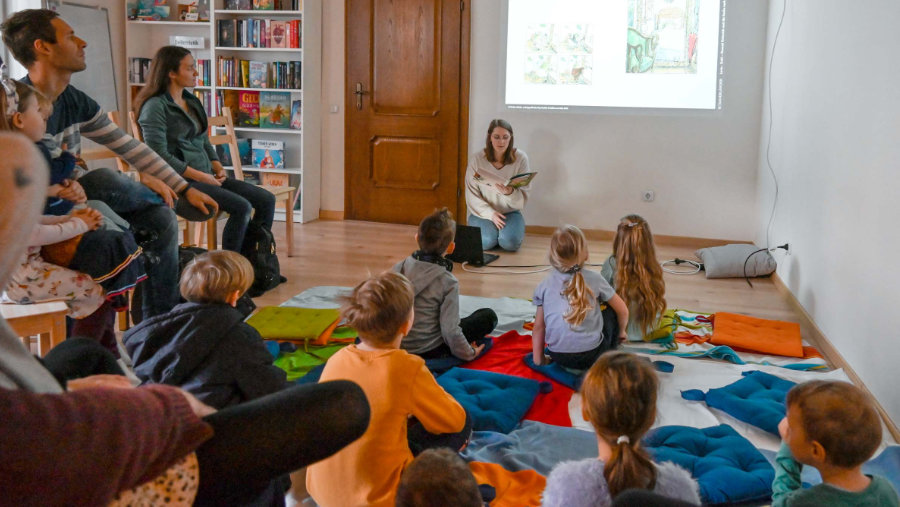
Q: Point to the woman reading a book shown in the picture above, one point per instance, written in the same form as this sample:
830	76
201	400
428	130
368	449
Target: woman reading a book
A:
174	124
497	182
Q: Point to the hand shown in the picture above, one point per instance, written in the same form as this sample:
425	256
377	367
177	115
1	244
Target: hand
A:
200	409
201	201
209	179
72	191
783	428
538	360
623	338
478	348
99	381
219	171
155	184
91	217
504	189
499	220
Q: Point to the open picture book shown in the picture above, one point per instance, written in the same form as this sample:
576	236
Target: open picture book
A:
517	181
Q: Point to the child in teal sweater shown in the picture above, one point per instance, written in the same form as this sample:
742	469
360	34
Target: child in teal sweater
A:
833	427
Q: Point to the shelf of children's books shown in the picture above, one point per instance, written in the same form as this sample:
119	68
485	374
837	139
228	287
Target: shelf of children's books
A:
135	22
228	12
280	170
291	90
266	131
267	50
193	87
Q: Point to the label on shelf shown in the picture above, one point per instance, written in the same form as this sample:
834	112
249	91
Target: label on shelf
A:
188	42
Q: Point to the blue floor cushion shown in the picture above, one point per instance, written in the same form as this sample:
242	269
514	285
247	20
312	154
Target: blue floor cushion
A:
726	465
756	399
496	402
555	372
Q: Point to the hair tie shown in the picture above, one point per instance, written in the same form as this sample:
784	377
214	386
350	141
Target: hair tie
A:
623	439
633	224
574	269
12	98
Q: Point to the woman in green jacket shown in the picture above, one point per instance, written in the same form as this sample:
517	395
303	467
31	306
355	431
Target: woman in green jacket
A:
174	124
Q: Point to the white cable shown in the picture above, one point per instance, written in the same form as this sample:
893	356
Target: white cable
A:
769	138
483	272
696	267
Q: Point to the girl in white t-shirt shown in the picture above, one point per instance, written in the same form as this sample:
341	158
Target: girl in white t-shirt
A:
568	320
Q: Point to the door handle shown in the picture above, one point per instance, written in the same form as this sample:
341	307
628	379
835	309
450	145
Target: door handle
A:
359	95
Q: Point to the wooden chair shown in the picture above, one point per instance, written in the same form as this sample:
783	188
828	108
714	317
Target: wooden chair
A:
46	320
283	195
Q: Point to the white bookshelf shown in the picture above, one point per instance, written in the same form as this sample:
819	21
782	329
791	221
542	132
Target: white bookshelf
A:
302	148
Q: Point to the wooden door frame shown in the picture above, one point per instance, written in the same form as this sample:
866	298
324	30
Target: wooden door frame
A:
462	161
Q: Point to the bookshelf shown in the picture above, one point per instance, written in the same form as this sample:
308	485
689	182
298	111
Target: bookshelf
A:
302	151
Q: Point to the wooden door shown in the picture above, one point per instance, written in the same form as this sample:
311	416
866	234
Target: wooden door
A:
406	107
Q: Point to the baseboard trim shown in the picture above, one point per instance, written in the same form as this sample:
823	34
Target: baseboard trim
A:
327	214
660	239
831	354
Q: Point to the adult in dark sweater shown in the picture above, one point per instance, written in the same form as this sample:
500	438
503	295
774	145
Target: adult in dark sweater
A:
48	47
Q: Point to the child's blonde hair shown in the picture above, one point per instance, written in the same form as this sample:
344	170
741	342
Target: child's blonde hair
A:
619	398
380	306
840	417
213	276
639	277
568	253
24	93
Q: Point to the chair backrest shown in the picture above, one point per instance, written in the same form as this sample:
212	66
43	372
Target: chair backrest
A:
135	127
225	120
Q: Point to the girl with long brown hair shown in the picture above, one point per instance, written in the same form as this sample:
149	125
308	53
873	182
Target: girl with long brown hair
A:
637	275
618	397
568	320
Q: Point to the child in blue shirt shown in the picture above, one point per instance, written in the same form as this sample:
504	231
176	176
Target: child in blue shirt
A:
568	320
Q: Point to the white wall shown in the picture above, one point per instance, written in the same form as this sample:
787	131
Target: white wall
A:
835	149
593	167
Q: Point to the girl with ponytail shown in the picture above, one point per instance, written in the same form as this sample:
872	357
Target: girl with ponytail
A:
618	397
568	320
637	276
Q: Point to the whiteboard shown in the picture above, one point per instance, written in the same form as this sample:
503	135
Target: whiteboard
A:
92	25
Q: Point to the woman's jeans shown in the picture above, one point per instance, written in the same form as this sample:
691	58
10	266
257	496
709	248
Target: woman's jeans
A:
509	237
240	199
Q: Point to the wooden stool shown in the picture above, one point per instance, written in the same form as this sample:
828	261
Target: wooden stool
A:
47	320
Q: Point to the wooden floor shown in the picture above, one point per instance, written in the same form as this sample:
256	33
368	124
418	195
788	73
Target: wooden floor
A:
346	252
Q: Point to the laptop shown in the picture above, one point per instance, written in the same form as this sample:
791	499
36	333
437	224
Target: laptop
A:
468	247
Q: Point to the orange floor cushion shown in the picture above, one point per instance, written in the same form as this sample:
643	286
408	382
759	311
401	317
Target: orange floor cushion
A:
758	335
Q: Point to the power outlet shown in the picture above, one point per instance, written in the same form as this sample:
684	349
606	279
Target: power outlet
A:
648	195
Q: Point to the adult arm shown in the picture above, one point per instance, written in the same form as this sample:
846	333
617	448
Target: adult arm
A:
475	202
432	406
102	131
82	448
519	196
450	330
787	486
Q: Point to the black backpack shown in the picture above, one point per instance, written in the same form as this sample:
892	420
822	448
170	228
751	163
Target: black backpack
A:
259	249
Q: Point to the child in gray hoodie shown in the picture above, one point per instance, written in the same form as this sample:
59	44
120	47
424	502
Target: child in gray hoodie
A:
437	330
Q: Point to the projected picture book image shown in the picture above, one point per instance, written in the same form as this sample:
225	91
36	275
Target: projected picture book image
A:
662	36
559	54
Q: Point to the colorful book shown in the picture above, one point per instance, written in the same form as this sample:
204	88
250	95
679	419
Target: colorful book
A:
227	28
258	74
296	115
274	110
263	5
268	154
279	34
231	99
248	114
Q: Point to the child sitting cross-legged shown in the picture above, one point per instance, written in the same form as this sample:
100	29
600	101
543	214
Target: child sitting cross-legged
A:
409	410
619	399
204	346
833	427
437	330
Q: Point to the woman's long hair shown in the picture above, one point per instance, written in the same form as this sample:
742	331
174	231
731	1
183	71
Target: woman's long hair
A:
167	59
568	253
619	398
509	156
639	277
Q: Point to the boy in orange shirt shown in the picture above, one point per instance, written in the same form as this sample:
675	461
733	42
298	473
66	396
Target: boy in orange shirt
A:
408	407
